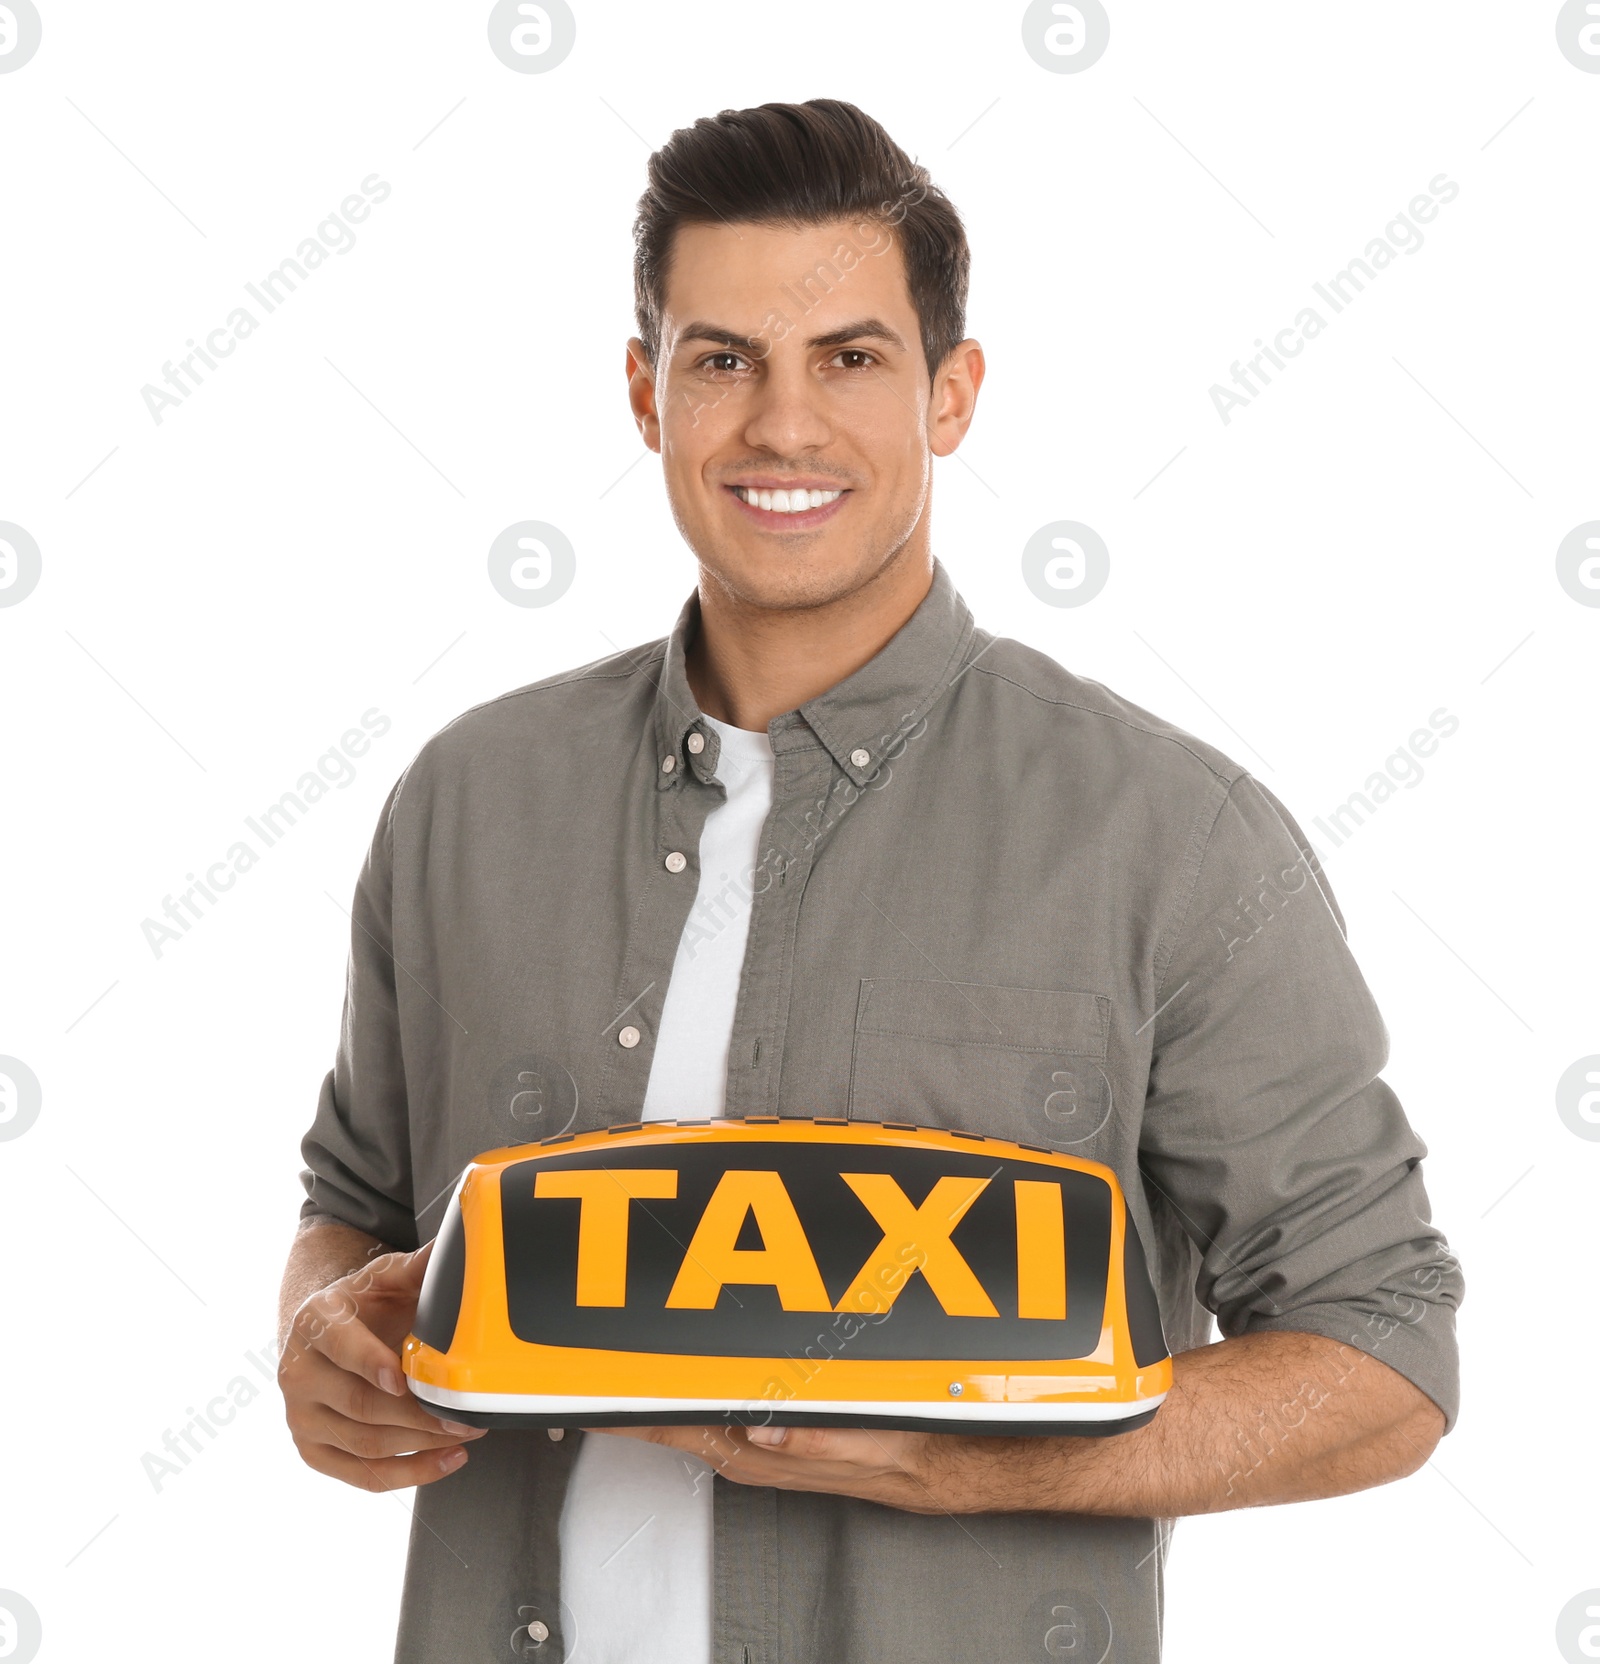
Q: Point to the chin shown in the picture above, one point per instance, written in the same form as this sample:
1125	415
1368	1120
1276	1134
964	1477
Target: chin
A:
788	585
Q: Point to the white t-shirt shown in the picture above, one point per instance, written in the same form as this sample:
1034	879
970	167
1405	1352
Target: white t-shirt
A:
636	1529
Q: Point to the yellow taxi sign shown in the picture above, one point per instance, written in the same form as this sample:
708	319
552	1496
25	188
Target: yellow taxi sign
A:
797	1271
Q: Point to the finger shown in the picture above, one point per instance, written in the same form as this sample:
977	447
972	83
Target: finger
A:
722	1448
715	1446
395	1271
377	1299
389	1283
352	1396
385	1473
697	1441
649	1435
821	1444
351	1346
371	1440
312	1381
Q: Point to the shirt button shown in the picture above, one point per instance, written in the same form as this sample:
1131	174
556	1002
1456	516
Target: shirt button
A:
677	861
538	1631
860	758
697	743
628	1037
668	764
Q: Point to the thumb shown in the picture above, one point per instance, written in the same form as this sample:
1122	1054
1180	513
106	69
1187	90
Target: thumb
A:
408	1268
399	1271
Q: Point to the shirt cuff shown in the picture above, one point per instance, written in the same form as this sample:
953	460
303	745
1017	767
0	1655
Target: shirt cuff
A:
1420	1346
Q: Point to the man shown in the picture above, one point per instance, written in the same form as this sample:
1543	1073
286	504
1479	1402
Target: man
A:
832	849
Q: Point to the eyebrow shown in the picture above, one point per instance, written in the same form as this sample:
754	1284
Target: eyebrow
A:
862	329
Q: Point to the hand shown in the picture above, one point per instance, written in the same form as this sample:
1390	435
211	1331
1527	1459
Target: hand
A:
347	1404
1318	1417
900	1470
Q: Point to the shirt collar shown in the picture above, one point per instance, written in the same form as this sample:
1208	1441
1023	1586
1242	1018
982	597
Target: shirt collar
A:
860	719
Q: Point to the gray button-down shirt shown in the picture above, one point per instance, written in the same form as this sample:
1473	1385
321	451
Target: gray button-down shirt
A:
991	895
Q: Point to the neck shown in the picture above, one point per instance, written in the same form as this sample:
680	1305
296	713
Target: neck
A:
749	664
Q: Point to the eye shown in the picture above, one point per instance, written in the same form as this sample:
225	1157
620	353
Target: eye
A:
726	362
865	359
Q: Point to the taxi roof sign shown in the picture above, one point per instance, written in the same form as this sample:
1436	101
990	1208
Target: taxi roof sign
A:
800	1272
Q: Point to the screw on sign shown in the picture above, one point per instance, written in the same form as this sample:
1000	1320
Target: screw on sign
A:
531	38
1578	34
1065	37
20	30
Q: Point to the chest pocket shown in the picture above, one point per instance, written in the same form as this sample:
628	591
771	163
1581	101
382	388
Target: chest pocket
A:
1022	1063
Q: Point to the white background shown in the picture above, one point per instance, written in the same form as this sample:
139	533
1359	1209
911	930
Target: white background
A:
223	594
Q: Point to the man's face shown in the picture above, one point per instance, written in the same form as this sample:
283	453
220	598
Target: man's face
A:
791	362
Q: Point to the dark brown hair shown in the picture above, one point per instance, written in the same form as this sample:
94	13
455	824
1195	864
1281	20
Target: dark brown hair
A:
802	164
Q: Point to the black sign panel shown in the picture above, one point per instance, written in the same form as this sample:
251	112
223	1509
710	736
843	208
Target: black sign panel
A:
810	1224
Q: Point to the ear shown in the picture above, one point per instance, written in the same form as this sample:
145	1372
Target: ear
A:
642	393
954	397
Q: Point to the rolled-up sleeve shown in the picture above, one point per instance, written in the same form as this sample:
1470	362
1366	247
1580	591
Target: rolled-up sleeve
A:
358	1150
1289	1161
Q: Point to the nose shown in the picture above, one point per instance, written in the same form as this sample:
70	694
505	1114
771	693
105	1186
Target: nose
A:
788	414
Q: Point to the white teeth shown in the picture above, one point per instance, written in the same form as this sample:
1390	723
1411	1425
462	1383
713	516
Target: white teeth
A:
786	502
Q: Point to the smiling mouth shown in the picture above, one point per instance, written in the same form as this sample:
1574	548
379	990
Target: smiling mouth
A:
784	502
798	507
